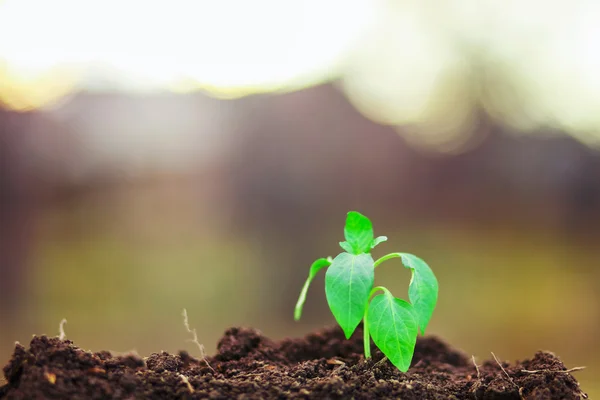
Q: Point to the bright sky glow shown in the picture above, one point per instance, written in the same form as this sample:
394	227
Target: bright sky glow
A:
426	65
225	45
530	63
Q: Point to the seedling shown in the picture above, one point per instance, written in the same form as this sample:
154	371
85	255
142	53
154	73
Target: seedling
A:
393	323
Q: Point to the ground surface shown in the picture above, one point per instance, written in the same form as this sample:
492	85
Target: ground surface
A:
322	365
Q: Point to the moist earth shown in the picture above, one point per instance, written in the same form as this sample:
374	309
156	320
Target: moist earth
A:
248	365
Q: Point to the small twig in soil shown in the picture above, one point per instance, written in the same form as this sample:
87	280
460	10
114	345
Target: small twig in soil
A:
520	389
187	382
380	362
505	373
193	333
477	384
476	367
195	338
566	371
61	329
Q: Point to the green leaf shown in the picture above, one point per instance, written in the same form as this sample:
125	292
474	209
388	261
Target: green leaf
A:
394	328
378	240
314	269
423	287
422	290
348	282
358	232
347	247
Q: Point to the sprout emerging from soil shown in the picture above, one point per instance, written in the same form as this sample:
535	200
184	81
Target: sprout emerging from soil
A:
393	323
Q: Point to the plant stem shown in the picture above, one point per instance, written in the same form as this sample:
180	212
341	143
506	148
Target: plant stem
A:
385	258
366	337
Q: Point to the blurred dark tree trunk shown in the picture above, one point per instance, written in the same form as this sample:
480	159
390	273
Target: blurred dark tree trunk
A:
16	213
582	201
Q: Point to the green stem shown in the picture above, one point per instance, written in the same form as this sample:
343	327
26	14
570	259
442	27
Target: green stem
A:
366	335
301	300
386	257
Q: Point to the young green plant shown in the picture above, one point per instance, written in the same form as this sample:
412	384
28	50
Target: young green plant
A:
392	323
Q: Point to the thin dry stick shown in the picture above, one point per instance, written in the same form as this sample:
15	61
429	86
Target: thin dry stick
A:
380	362
61	329
567	371
187	382
195	338
476	367
477	384
503	370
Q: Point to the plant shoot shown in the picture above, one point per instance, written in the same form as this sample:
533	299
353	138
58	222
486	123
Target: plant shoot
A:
393	323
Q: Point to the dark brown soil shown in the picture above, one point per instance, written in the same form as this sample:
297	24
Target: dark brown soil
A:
322	365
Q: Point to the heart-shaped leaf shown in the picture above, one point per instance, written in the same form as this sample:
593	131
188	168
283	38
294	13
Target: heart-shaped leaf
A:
394	329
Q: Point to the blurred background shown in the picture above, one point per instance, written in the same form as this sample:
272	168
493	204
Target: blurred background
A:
201	154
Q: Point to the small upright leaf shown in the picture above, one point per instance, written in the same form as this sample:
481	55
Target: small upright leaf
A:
378	240
348	282
314	269
422	290
394	328
358	232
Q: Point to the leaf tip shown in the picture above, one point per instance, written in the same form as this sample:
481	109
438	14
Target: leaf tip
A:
348	333
403	368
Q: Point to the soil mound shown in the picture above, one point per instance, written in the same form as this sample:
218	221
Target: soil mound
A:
322	365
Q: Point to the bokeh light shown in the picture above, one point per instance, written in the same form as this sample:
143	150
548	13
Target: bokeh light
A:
226	47
431	66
